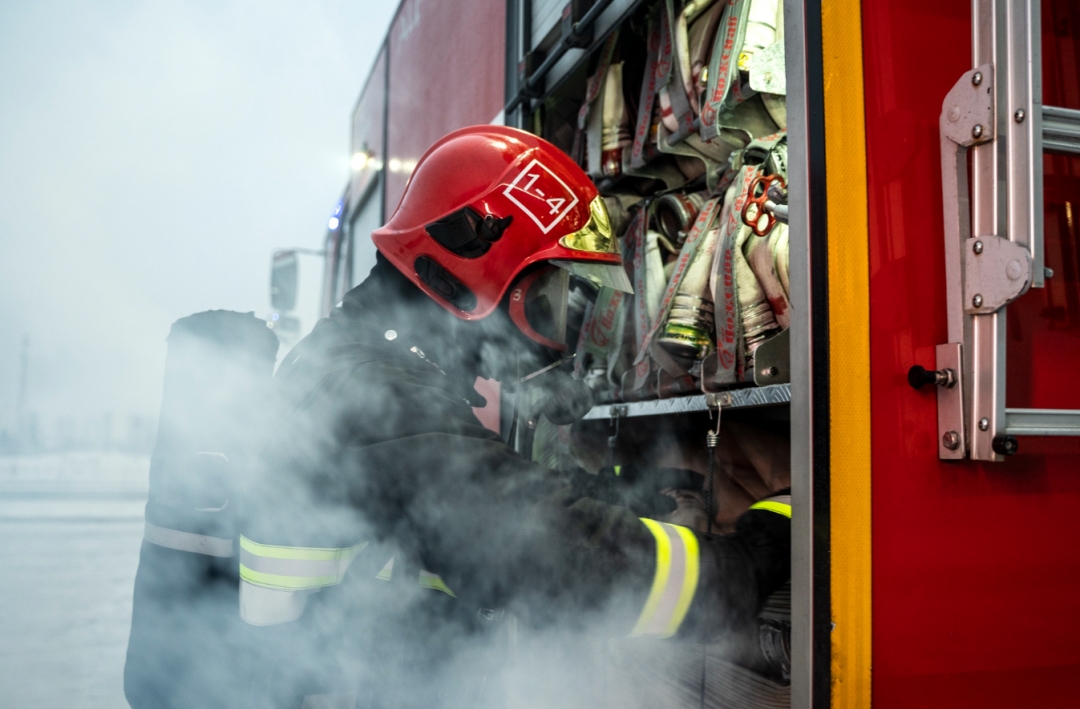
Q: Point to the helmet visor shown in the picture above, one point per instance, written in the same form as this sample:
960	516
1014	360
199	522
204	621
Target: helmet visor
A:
538	305
597	235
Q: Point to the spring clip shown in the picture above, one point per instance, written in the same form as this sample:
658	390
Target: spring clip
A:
711	439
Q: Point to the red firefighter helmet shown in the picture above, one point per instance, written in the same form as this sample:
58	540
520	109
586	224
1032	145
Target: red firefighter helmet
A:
486	204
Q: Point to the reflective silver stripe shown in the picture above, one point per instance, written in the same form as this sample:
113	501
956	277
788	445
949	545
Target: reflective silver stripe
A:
294	567
186	541
270	606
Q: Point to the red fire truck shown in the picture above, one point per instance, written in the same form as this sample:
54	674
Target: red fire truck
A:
930	181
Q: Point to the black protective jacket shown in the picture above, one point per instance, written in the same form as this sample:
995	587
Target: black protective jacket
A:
375	443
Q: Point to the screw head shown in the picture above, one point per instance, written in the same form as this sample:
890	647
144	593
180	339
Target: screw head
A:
976	78
977	301
390	335
984	424
977	247
977	131
1048	272
951	440
1019	116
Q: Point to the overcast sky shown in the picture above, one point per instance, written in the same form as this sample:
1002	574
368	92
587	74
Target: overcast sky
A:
152	156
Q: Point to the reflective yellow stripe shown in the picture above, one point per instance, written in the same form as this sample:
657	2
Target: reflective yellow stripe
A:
291	583
660	579
772	506
426	579
294	568
434	582
674	583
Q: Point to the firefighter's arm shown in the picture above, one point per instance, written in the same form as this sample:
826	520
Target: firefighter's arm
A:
502	530
738	571
679	582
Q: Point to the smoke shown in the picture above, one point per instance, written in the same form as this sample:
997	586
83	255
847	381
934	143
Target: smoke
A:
370	441
152	157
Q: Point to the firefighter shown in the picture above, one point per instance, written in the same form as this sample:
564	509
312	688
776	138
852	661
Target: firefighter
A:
385	525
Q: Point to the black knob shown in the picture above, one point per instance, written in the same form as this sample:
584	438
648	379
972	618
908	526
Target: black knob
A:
1005	445
917	376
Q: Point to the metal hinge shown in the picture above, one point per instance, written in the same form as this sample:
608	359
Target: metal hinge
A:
996	272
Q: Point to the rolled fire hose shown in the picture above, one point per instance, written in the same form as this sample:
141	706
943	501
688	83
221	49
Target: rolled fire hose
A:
758	321
615	131
608	130
761	259
688	332
655	282
767	75
780	249
760	30
675	215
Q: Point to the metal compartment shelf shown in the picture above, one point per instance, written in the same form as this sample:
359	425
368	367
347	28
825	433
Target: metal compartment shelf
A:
771	395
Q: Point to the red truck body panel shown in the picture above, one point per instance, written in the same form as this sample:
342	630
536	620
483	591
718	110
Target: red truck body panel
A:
976	572
368	127
447	71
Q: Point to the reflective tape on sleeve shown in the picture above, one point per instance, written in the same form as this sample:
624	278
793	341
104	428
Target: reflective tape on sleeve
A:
781	505
294	568
387	571
187	541
426	579
434	582
676	578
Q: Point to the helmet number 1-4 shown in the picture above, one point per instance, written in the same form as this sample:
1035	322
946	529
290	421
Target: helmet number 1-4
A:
541	195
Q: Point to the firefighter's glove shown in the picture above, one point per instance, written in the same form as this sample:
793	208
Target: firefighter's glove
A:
564	400
639	487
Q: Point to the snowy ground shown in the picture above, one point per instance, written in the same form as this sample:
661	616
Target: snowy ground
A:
70	530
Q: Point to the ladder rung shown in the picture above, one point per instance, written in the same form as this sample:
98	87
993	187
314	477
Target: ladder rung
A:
1042	422
1061	129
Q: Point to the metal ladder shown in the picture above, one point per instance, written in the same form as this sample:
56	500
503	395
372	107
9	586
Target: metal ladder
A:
994	229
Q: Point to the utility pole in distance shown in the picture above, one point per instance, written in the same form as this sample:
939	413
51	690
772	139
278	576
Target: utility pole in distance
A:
20	402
